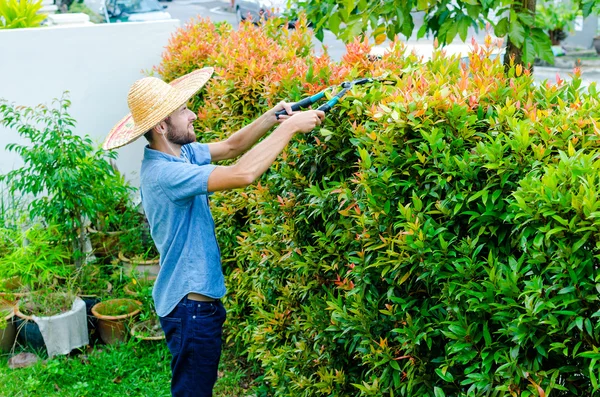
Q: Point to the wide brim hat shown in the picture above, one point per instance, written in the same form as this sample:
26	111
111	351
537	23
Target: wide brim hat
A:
150	101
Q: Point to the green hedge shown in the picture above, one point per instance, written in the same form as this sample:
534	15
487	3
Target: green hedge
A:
437	236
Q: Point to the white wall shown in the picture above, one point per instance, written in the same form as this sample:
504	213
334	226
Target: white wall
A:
584	34
97	64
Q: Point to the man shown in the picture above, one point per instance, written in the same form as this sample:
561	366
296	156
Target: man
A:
176	178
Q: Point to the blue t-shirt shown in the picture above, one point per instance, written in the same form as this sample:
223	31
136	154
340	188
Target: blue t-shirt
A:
175	198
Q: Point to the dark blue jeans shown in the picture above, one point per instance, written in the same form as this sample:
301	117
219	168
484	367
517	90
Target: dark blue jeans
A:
193	331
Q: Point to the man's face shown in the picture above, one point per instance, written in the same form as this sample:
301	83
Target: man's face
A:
180	126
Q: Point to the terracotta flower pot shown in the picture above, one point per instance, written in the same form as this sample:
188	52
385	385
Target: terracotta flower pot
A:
140	268
13	289
149	330
8	333
114	316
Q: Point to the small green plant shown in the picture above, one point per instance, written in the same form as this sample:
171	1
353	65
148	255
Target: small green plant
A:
118	307
9	240
16	14
147	326
46	304
4	312
39	260
555	18
136	243
68	177
91	279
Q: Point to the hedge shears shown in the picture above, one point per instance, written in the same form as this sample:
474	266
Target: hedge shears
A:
326	107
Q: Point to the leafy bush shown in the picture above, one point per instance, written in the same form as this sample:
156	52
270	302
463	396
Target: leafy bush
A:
438	235
38	261
16	14
66	177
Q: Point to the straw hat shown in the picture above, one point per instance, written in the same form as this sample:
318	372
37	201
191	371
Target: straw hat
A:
151	100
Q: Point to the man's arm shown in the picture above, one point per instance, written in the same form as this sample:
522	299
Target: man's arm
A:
243	139
258	159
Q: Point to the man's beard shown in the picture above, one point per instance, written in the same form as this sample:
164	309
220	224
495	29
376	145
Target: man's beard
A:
179	137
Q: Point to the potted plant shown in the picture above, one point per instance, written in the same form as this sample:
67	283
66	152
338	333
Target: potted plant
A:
75	187
55	321
106	226
7	326
92	285
556	19
114	317
138	254
148	328
41	260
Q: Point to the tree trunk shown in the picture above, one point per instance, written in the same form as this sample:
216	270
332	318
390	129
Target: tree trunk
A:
511	48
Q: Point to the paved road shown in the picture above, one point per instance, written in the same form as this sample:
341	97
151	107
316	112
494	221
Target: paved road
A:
220	10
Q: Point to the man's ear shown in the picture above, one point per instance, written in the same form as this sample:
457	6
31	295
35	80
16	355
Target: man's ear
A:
160	128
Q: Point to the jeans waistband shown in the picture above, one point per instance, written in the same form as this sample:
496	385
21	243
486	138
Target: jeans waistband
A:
200	298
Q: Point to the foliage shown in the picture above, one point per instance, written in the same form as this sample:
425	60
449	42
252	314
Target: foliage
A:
16	14
67	178
117	307
148	327
46	304
445	19
136	241
140	288
6	310
38	261
119	213
135	368
555	19
91	279
9	240
436	236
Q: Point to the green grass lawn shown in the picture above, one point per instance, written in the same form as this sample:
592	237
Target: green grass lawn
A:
129	369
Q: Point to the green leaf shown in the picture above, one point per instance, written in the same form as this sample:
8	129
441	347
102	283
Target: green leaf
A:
473	10
516	33
486	335
587	7
438	392
445	375
463	28
528	50
579	323
542	45
566	290
526	18
334	23
501	28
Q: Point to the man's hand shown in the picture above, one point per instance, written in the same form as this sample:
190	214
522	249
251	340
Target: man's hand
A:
280	106
305	121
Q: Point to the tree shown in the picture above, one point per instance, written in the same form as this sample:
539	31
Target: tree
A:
444	19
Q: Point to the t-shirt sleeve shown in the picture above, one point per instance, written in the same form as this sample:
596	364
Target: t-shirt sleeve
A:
198	153
182	181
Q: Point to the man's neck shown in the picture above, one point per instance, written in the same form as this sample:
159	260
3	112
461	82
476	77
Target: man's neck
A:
166	147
